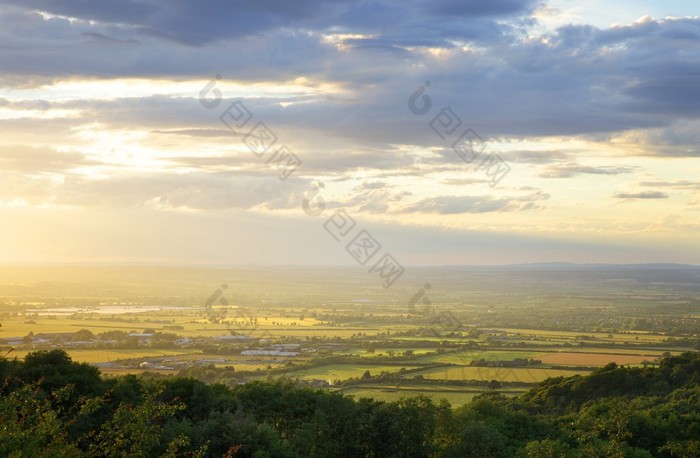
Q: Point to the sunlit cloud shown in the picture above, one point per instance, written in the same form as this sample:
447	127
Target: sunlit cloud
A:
594	108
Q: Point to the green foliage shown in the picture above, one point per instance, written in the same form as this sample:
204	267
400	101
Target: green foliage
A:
31	426
547	448
479	440
83	335
567	395
52	407
53	370
134	430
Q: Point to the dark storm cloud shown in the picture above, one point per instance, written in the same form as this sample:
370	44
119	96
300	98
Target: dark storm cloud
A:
119	11
98	37
677	93
475	8
586	80
578	80
185	21
200	22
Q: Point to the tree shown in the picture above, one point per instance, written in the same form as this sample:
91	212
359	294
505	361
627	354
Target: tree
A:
479	440
83	335
493	385
52	370
546	448
32	427
135	431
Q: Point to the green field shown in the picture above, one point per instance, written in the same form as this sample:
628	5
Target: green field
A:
343	371
107	355
630	338
456	397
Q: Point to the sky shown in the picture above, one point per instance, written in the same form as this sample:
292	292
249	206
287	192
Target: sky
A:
339	132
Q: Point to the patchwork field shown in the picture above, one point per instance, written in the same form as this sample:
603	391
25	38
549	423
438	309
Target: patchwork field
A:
333	320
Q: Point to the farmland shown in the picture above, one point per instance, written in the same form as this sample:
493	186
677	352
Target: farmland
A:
592	359
485	330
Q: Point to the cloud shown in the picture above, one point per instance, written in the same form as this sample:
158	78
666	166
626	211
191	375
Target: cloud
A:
110	88
372	197
641	195
463	181
536	157
218	191
33	160
669	94
364	186
502	79
187	21
214	133
571	170
199	23
679	139
109	11
482	7
101	38
314	163
680	184
447	205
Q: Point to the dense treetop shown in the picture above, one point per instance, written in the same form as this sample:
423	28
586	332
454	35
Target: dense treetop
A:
51	406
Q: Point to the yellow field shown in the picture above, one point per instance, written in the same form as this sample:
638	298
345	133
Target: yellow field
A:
649	353
455	399
315	331
465	357
16	327
99	355
519	374
591	359
192	326
632	338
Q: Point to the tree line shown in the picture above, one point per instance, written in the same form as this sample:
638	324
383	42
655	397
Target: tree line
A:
51	406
